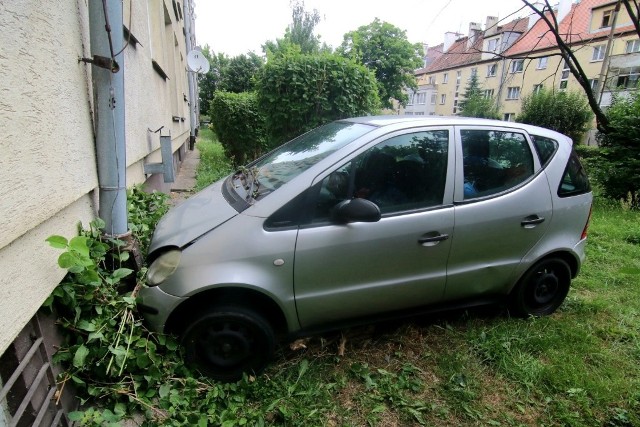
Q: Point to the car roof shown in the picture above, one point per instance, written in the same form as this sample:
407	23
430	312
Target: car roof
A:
411	121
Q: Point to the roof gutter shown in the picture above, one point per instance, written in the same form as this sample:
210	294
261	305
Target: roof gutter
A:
191	76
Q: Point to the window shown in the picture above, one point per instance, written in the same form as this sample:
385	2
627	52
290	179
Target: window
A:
537	88
432	80
474	71
542	63
455	106
443	99
564	79
632	46
509	117
574	181
493	45
406	172
488	93
458	77
545	147
517	65
422	97
491	70
606	18
445	78
593	84
433	98
410	98
513	92
494	161
598	53
628	78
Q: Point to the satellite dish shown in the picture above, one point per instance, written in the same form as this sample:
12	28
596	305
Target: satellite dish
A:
197	62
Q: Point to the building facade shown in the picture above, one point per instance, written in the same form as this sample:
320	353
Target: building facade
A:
513	60
49	116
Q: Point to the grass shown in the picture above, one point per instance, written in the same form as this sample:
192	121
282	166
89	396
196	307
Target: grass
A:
578	367
213	162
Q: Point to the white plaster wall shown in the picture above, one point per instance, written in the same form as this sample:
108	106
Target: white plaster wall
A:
46	144
30	269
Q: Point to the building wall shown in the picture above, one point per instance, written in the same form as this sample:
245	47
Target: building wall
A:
47	150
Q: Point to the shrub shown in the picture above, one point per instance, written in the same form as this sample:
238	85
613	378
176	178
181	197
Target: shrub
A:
565	112
300	92
239	124
621	150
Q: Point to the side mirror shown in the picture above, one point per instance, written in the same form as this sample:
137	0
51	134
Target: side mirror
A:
356	210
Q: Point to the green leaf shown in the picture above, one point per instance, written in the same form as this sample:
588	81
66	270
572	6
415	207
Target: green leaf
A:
57	242
86	326
66	260
79	244
76	415
121	273
80	356
164	390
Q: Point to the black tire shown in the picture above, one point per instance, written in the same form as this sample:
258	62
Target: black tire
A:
225	342
542	289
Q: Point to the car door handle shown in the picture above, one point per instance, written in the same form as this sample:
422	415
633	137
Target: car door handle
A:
531	221
430	239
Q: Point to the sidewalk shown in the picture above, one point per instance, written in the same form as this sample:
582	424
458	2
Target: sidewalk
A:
185	181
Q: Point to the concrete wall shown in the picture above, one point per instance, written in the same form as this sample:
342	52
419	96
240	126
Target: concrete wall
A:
47	155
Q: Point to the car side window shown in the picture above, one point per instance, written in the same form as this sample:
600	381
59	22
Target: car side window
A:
494	161
406	172
574	180
546	148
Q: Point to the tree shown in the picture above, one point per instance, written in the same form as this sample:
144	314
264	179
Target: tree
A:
300	92
567	112
240	73
620	171
211	82
475	103
299	36
385	49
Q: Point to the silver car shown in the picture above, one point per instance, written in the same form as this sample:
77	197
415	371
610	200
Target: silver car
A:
364	219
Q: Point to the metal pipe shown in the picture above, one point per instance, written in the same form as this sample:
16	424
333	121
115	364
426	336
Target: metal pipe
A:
108	92
191	76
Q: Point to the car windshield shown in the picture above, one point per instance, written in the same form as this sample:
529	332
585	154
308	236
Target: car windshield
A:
291	159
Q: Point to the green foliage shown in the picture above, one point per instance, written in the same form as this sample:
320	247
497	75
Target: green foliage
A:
213	163
212	81
475	104
621	150
384	48
144	212
300	92
563	111
299	36
239	124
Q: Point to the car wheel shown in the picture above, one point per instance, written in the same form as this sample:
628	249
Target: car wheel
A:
225	342
542	289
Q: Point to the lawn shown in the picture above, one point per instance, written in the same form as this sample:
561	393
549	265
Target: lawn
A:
577	367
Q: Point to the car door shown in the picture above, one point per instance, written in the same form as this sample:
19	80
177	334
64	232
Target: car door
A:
503	207
358	269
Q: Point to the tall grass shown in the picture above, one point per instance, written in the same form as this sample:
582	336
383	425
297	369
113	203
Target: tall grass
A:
213	162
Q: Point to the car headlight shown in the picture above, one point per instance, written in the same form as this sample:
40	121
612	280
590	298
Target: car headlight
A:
164	266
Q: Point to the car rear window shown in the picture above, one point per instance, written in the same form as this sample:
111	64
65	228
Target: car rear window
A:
545	147
574	180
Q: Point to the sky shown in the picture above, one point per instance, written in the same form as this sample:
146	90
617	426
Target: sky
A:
235	27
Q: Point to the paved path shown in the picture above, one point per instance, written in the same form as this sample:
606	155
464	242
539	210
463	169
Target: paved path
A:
186	177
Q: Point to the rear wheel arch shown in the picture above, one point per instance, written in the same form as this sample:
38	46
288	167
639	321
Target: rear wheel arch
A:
241	297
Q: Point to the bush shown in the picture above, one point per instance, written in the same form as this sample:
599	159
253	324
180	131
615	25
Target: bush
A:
300	92
565	112
239	124
621	150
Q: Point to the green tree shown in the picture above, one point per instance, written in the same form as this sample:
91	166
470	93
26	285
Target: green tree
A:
299	36
240	73
384	48
239	125
300	92
563	111
210	82
620	149
474	102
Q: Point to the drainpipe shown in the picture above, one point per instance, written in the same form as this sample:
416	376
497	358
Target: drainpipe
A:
191	76
106	36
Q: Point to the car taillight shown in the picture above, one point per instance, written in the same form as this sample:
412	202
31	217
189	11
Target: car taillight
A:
586	226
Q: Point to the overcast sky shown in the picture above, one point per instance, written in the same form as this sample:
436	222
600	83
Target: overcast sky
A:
238	26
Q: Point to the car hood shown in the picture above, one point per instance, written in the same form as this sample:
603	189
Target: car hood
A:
192	218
